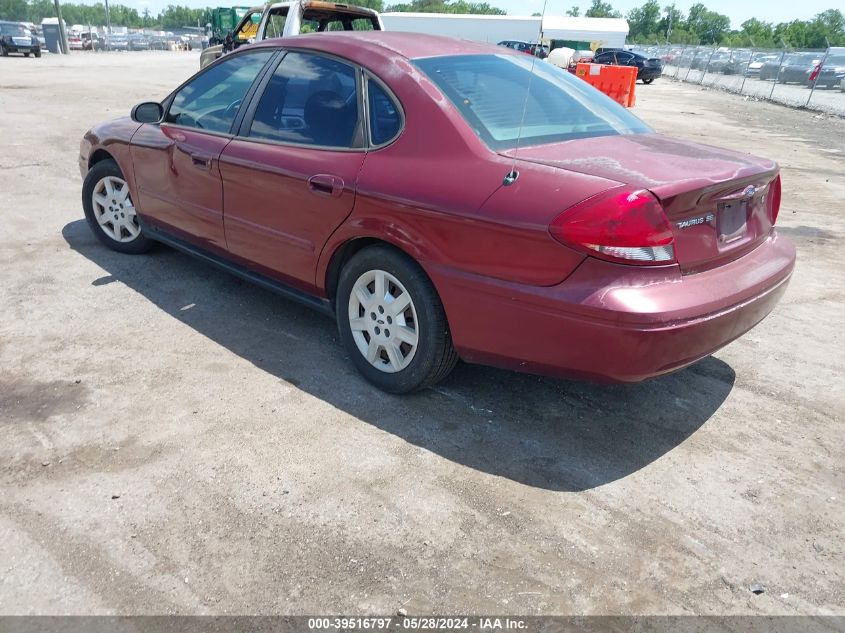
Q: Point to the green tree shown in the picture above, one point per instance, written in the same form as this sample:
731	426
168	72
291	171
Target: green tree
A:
38	10
827	26
574	11
15	10
708	25
644	22
672	19
447	6
599	9
755	33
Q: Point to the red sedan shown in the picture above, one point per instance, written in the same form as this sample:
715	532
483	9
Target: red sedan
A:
442	203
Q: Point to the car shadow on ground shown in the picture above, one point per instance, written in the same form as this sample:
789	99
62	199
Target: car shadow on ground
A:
543	432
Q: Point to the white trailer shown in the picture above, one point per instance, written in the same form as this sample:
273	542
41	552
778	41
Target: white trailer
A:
578	32
478	28
603	32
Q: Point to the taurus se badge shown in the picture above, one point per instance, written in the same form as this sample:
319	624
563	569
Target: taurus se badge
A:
685	224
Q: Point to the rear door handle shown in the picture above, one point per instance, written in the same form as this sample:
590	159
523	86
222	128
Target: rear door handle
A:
201	161
326	185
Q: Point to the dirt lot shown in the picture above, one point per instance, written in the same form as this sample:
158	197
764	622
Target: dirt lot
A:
176	440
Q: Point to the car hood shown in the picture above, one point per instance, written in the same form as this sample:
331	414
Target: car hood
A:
663	165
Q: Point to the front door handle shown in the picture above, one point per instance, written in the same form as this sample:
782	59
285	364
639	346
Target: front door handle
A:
201	161
326	185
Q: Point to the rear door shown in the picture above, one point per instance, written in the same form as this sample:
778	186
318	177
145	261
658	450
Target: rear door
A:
289	178
176	161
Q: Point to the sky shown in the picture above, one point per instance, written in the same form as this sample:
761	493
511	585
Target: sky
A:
738	10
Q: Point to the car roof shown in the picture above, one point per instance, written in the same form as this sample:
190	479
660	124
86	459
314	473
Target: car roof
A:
356	45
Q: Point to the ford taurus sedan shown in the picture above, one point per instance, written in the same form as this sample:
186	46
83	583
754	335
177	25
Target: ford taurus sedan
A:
442	203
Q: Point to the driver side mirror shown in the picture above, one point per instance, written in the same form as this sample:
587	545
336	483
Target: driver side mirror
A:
147	112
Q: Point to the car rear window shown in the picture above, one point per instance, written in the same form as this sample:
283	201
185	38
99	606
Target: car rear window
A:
502	100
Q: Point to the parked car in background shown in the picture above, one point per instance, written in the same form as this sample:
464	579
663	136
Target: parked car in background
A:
830	72
118	43
700	59
564	235
159	43
737	64
716	63
139	42
74	42
529	48
758	60
16	38
770	69
91	41
798	70
648	69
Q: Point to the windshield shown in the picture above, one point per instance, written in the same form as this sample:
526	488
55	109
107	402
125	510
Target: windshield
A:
13	29
490	93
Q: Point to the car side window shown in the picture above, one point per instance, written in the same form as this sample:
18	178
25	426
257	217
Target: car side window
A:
249	28
309	100
385	118
212	99
276	23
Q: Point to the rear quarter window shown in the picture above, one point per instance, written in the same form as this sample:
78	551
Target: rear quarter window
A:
385	116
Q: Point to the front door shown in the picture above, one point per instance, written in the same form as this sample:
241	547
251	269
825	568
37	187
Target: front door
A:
289	179
176	161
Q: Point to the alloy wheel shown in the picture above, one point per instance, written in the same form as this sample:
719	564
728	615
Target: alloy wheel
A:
114	210
383	320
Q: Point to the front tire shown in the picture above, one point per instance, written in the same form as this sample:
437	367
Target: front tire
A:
392	321
110	211
648	81
38	53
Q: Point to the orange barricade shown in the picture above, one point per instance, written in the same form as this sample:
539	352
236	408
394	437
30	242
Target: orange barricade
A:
617	82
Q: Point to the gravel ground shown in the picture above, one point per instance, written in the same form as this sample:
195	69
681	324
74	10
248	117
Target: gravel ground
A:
178	441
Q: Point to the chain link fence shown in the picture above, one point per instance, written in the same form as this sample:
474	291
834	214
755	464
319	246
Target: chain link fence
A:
803	79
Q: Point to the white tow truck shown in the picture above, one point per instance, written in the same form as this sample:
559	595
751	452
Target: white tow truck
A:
283	19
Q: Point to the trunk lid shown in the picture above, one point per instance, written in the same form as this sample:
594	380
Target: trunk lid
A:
719	202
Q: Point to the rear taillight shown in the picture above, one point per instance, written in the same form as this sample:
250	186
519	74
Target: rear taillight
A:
774	204
620	225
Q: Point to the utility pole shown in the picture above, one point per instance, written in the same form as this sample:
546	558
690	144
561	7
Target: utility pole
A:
62	34
108	27
671	10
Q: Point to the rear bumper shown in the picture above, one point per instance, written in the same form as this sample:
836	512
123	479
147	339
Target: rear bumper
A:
650	73
614	323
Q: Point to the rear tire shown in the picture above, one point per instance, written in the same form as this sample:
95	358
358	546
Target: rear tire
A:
392	322
3	51
26	54
648	81
38	53
110	211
